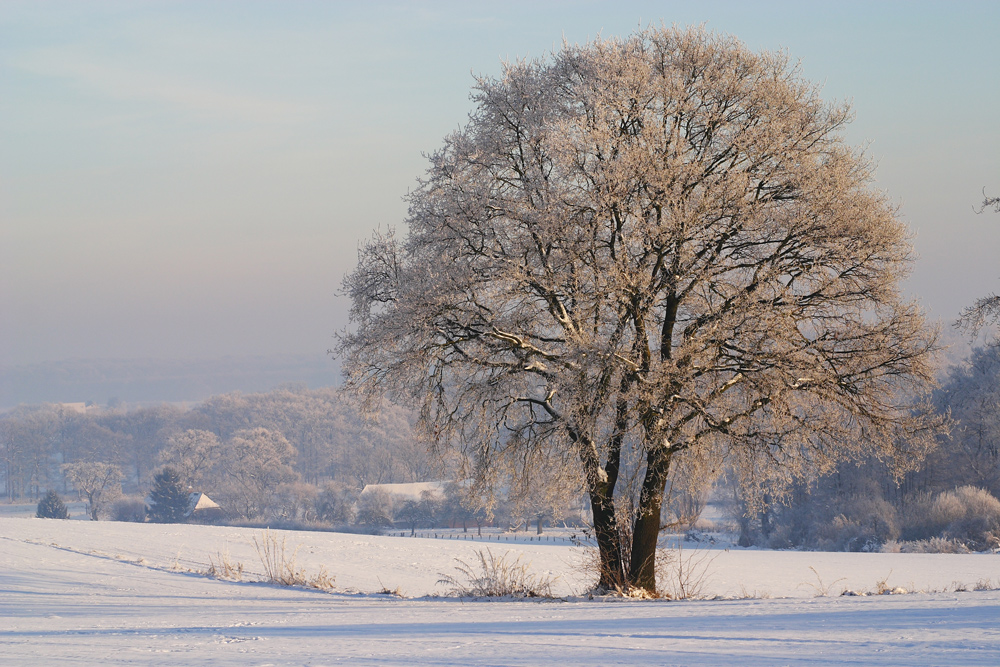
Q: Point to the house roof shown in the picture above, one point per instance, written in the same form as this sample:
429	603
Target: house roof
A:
199	501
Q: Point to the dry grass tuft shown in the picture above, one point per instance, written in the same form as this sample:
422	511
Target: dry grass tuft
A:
822	590
222	567
491	576
279	564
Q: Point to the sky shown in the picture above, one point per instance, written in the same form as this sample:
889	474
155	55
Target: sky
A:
192	179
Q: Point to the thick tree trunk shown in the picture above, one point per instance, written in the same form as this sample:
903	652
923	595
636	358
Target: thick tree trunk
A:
609	547
646	530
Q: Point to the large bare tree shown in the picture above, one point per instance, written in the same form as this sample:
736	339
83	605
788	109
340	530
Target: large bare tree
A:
640	254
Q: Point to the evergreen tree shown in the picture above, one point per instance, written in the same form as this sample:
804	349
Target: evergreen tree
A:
51	506
168	501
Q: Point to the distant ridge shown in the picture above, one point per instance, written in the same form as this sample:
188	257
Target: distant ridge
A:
105	381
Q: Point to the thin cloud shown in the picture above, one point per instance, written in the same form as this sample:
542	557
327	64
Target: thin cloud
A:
122	82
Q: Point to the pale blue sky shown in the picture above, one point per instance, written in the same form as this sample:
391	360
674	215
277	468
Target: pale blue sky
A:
191	179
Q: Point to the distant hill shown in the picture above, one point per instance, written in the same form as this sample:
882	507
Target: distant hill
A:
133	381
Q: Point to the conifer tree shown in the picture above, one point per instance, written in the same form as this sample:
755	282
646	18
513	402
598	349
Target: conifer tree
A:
51	506
168	501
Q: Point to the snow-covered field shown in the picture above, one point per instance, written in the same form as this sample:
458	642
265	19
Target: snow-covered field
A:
78	592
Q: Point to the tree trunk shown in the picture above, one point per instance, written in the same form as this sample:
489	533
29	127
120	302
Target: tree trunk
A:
609	548
646	530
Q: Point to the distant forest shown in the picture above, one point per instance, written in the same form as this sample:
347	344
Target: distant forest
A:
303	455
292	435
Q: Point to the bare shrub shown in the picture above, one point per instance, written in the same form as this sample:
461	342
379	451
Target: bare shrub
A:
491	576
755	594
394	592
865	525
128	508
915	517
983	585
279	565
683	575
892	547
945	509
935	545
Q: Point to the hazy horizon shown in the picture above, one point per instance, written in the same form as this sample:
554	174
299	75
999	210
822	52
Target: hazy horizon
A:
188	181
151	381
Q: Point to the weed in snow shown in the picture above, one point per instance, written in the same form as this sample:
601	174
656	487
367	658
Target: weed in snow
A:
496	577
822	590
280	566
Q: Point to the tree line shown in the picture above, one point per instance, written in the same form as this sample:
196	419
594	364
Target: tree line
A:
235	448
249	451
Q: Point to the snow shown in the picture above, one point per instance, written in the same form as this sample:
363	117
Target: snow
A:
78	592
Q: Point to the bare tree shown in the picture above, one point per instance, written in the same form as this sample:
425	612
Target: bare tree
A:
95	481
971	392
256	462
985	311
640	252
195	455
27	438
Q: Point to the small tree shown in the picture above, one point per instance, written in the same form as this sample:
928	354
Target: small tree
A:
169	499
335	503
376	508
51	506
256	462
94	481
410	513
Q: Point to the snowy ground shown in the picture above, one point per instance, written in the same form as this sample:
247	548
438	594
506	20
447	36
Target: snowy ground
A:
77	592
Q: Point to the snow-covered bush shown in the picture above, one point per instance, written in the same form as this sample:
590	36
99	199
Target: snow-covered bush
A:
968	515
865	525
934	545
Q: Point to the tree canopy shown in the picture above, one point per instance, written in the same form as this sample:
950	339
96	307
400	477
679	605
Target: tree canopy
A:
641	255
